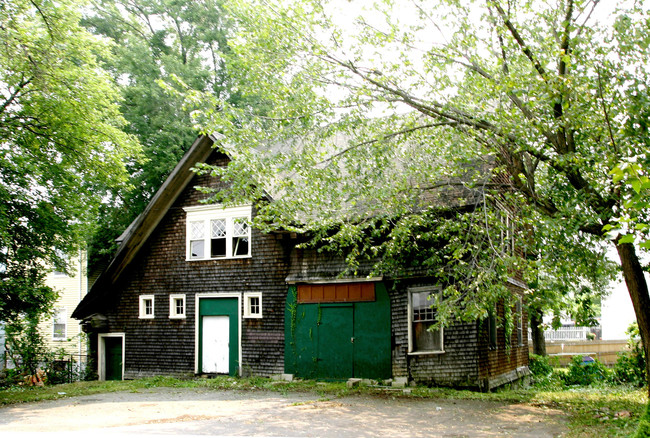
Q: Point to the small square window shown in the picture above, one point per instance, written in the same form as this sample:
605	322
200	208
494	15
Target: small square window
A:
253	305
177	306
146	306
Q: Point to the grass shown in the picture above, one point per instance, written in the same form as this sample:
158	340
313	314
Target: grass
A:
612	411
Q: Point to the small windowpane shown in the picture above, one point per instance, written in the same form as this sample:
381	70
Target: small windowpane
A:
218	227
218	247
148	306
197	230
240	227
239	246
180	306
426	339
197	249
254	305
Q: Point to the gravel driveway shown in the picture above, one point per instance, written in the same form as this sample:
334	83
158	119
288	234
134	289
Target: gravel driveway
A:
173	411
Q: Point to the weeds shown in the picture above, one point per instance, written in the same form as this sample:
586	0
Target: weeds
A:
597	410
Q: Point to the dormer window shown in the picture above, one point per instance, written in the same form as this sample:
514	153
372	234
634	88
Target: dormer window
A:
214	232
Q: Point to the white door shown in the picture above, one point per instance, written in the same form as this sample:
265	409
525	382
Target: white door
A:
215	345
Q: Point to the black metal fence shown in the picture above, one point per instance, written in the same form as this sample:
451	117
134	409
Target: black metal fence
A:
65	368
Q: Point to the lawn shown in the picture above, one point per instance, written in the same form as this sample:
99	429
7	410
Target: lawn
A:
611	411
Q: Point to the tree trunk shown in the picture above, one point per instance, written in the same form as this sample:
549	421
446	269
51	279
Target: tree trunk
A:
537	332
638	289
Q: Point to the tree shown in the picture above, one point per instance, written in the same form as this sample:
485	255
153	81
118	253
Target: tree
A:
61	146
554	95
554	91
156	40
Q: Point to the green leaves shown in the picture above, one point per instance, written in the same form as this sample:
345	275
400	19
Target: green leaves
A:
62	147
373	118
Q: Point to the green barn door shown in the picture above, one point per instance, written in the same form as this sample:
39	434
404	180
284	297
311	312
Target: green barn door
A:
113	358
335	342
338	340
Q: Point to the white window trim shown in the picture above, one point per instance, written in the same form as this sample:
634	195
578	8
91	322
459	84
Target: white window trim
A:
205	213
172	306
65	325
247	309
142	307
431	290
519	307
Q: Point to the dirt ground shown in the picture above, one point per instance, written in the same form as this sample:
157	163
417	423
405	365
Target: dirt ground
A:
196	412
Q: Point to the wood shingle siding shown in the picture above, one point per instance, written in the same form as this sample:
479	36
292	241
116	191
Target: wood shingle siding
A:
362	317
167	346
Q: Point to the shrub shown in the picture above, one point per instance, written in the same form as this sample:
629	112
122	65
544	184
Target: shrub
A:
630	365
542	373
586	373
539	365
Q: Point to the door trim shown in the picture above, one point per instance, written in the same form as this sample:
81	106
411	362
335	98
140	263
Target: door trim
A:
101	353
197	322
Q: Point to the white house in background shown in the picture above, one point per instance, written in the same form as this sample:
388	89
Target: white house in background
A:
617	312
61	331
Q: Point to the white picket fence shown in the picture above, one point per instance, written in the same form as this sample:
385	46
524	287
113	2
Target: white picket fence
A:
566	334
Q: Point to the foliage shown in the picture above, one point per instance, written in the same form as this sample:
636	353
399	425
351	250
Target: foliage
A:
25	346
156	42
630	365
643	429
61	149
586	373
365	123
539	366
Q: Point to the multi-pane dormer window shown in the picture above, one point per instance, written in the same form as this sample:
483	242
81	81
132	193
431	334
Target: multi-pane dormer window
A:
214	232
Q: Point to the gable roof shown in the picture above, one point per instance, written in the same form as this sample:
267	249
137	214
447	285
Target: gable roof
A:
137	233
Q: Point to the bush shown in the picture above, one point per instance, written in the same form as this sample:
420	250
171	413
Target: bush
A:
539	366
586	373
542	373
630	365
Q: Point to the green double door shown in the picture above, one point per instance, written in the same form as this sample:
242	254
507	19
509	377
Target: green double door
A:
337	341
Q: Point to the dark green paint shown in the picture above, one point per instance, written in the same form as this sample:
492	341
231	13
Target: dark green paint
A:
113	357
218	307
319	338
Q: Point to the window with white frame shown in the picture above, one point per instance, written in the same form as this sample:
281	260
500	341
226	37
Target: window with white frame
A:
423	338
252	305
177	306
214	232
59	324
519	314
146	306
